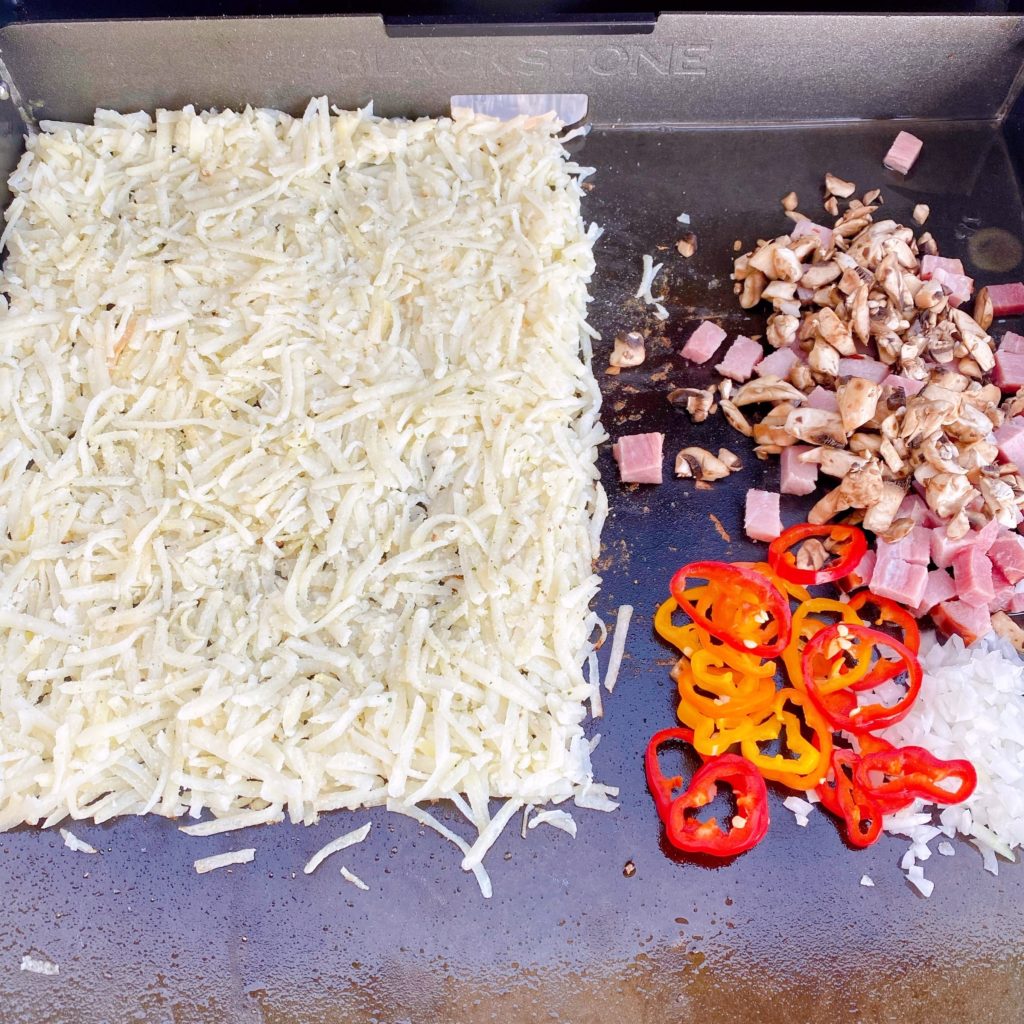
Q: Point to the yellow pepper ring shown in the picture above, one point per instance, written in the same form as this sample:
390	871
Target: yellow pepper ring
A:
808	766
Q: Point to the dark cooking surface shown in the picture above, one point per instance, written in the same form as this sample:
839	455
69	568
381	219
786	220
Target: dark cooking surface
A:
784	933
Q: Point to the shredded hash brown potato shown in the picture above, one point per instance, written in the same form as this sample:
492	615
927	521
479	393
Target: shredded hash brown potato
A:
297	483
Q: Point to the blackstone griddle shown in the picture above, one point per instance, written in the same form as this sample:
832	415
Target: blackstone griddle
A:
714	116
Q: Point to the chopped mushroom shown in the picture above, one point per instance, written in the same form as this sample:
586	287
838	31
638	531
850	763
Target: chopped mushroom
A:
629	350
921	212
766	389
698	403
817	427
700	464
687	245
837	187
790	201
812	554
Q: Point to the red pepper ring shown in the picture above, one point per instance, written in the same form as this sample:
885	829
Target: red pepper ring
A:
663	789
845	798
913	772
888	611
852	547
742	598
747	828
840	707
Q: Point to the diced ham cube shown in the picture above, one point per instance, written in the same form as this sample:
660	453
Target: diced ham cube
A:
1012	343
741	358
806	227
915	507
861	576
1007	555
1010	440
933	263
1016	604
1009	371
797	477
639	457
777	363
763	520
910	386
822	398
704	342
899	581
940	587
966	621
973	574
1003	592
915	547
1007	299
868	369
957	287
903	153
945	550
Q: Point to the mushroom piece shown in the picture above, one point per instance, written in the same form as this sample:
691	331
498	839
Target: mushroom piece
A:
1000	501
978	455
729	459
1008	630
861	488
782	330
898	529
860	317
790	201
629	350
700	464
779	291
879	517
1015	406
800	376
974	338
983	310
947	493
697	403
812	554
941	453
817	427
820	275
857	399
835	462
687	245
928	245
921	212
838	187
831	206
736	419
753	285
784	265
835	332
823	359
766	389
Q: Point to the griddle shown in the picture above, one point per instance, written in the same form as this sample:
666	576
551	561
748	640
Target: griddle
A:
717	117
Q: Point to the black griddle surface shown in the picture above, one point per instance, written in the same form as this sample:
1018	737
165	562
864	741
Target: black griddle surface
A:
785	932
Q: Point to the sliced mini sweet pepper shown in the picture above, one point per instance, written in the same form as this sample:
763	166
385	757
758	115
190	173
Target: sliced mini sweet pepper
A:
841	795
738	606
748	826
886	611
908	773
807	621
846	543
810	759
840	706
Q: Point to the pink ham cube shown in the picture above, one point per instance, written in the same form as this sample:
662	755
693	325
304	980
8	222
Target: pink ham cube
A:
910	386
777	363
1003	592
741	358
806	227
1012	343
973	574
1009	371
763	520
1007	299
944	550
1010	440
868	369
903	153
704	342
1007	556
639	458
822	398
915	507
900	581
929	264
940	587
797	477
1016	604
971	623
915	547
957	287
